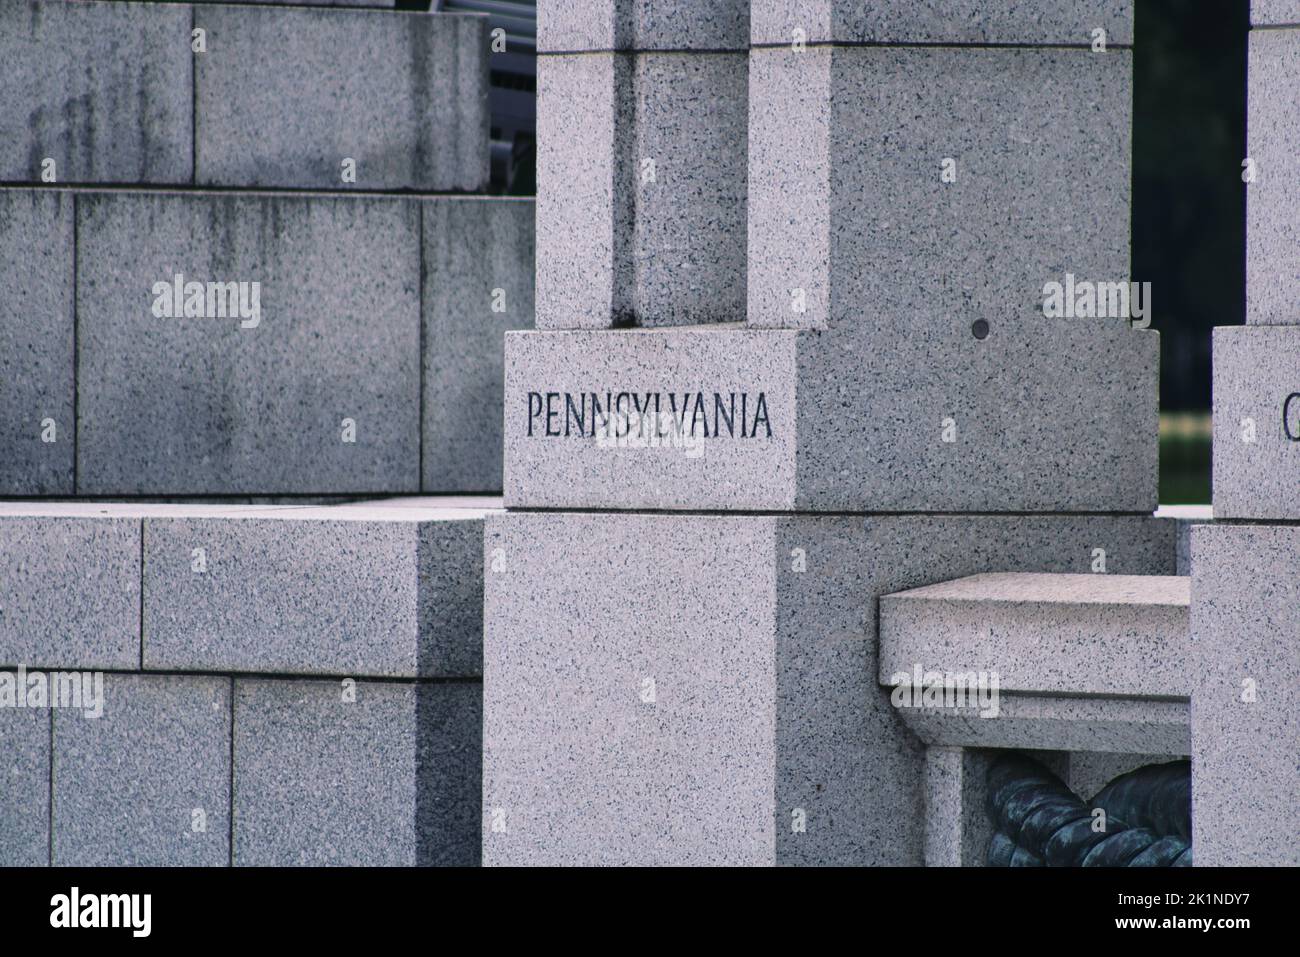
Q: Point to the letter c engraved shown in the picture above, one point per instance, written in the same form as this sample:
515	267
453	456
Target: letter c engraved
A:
1286	417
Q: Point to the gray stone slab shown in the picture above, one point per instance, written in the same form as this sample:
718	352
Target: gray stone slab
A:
478	283
24	787
1275	12
1052	723
1246	699
1085	634
851	221
103	89
37	425
759	635
1273	200
1256	422
147	782
224	406
388	779
284	96
957	828
641	189
315	591
1059	418
69	592
571	25
942	21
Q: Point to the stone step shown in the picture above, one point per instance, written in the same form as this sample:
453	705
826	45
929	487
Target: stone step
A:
373	590
369	311
1084	634
1055	417
323	773
731	660
250	109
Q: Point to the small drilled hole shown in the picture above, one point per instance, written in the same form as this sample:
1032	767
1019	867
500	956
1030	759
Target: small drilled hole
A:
980	329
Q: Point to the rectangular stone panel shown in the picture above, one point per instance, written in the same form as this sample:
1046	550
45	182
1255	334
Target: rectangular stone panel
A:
1053	418
147	782
283	97
1246	698
24	786
1256	422
375	774
37	426
307	382
960	182
973	22
69	589
104	90
641	189
478	284
1273	196
702	689
353	591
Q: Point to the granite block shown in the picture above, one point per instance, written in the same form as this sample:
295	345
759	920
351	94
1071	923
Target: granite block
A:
1275	12
714	699
69	591
852	221
941	21
641	189
478	283
600	25
387	779
1054	723
1059	418
1185	518
337	591
148	781
227	406
1084	634
1246	697
1256	409
24	787
957	828
103	89
284	96
37	426
1273	199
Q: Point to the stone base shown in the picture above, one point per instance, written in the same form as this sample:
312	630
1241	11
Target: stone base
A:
664	689
1246	698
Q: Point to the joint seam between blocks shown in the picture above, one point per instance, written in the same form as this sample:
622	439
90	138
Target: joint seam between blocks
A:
76	346
419	482
230	796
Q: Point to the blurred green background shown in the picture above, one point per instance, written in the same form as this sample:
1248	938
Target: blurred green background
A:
1189	210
